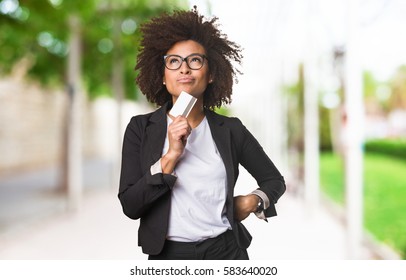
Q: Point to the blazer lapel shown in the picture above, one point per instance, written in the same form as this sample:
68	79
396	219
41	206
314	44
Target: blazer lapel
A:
222	137
156	134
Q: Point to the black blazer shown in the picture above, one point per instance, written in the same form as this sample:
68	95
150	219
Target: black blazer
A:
147	197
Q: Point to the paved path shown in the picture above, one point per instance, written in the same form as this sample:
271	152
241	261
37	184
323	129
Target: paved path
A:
99	230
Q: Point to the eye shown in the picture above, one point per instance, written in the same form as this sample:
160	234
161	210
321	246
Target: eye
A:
173	60
195	59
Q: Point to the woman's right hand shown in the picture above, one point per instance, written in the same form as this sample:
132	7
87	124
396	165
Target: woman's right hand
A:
178	132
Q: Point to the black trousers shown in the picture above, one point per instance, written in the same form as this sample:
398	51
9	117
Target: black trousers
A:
222	247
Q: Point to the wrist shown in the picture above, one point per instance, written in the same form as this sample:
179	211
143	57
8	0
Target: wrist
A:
168	162
260	206
173	155
254	200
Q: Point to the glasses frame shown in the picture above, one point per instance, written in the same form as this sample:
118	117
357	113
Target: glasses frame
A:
185	59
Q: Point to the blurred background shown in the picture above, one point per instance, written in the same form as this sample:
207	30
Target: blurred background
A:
323	89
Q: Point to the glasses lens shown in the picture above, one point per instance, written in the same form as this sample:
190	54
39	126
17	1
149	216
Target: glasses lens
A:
195	61
173	62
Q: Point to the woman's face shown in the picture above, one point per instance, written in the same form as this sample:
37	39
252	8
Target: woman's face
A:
186	79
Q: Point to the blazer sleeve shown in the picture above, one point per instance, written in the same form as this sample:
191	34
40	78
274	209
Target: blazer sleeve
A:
254	159
139	189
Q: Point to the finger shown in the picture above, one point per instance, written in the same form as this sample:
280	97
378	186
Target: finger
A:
179	119
178	125
181	128
179	132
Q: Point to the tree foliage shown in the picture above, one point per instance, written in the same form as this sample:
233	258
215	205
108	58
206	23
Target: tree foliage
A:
38	31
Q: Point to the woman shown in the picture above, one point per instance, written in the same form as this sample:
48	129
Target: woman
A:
178	173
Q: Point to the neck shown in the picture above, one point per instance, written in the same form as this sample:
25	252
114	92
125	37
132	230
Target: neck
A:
196	115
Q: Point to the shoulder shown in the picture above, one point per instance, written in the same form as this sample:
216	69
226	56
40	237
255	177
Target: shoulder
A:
223	120
142	120
233	123
238	132
139	121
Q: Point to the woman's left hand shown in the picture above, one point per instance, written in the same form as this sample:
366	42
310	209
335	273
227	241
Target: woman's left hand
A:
244	205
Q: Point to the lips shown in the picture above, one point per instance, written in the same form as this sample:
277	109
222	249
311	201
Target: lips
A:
185	80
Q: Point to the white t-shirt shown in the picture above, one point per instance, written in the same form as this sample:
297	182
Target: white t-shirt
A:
198	197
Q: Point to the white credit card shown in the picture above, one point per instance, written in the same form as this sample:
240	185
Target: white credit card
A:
183	105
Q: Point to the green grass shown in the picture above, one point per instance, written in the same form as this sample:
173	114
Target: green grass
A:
384	194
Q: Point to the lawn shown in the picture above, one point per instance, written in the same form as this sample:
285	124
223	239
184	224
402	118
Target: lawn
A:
384	195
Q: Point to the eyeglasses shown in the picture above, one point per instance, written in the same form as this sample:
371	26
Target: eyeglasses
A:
194	61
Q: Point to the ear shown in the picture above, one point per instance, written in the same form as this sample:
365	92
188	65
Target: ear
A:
210	78
164	81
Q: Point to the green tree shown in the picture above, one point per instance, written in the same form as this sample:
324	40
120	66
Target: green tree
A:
62	42
37	31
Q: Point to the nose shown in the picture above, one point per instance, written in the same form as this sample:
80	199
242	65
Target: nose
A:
184	68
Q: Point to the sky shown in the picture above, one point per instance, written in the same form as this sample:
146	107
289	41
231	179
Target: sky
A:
385	37
381	25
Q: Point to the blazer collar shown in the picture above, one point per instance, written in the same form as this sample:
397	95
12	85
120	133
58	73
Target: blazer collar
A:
160	114
156	132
